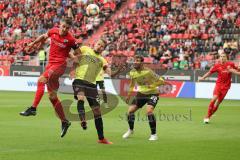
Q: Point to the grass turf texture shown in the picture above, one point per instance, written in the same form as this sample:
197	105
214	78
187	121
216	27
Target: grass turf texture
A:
38	138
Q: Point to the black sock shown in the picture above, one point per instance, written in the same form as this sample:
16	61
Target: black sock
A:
104	96
81	110
152	123
99	127
131	119
33	108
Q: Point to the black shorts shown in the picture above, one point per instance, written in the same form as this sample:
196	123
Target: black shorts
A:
141	99
100	84
89	89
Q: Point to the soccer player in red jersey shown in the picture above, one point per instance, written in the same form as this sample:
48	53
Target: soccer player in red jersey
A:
61	44
223	83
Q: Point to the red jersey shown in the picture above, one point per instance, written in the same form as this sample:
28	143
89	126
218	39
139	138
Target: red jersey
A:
60	46
224	77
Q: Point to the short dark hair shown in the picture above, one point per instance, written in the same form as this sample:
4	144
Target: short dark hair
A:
139	57
67	20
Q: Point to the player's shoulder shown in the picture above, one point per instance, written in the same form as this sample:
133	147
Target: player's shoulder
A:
70	37
103	59
147	69
217	64
54	30
230	63
132	71
85	48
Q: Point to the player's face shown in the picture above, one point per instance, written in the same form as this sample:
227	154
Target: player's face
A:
223	57
137	63
64	28
99	46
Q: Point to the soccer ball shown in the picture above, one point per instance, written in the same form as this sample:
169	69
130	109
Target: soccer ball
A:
92	10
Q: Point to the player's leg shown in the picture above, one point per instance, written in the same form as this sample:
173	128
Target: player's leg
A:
102	87
78	88
219	100
216	93
131	118
210	109
152	122
53	84
151	117
31	111
59	111
93	100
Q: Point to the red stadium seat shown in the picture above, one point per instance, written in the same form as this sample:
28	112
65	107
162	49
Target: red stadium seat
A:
148	60
174	36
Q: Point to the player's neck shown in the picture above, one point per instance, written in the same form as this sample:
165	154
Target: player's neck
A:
223	62
140	69
96	52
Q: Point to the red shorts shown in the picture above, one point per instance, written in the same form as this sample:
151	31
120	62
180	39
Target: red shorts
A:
221	93
53	73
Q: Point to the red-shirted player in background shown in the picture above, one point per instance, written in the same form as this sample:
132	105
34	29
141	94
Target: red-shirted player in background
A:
61	44
223	83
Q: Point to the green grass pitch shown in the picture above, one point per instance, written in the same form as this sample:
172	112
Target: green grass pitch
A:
183	138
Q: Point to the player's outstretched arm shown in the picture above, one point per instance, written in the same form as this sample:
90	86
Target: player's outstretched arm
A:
159	82
204	76
110	72
39	41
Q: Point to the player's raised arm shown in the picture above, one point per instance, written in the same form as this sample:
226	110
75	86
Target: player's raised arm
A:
211	71
40	40
204	76
234	71
110	72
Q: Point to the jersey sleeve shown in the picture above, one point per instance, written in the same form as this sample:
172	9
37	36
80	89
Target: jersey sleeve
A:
51	32
213	69
130	74
84	49
153	75
234	66
104	62
73	44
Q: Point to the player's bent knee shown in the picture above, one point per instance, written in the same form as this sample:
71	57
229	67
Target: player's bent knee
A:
132	109
80	97
96	111
150	110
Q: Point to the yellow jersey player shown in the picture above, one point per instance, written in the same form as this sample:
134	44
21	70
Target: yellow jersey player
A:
147	82
89	66
100	83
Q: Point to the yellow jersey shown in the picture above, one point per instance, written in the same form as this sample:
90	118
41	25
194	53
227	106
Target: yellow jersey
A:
89	65
100	76
145	80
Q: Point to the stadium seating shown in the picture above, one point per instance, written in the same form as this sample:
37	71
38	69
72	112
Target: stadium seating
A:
181	28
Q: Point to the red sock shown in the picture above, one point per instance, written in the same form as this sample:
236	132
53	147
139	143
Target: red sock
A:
215	108
39	93
58	108
210	109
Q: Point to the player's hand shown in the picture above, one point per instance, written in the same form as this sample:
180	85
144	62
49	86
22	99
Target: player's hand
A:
200	79
29	47
72	75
